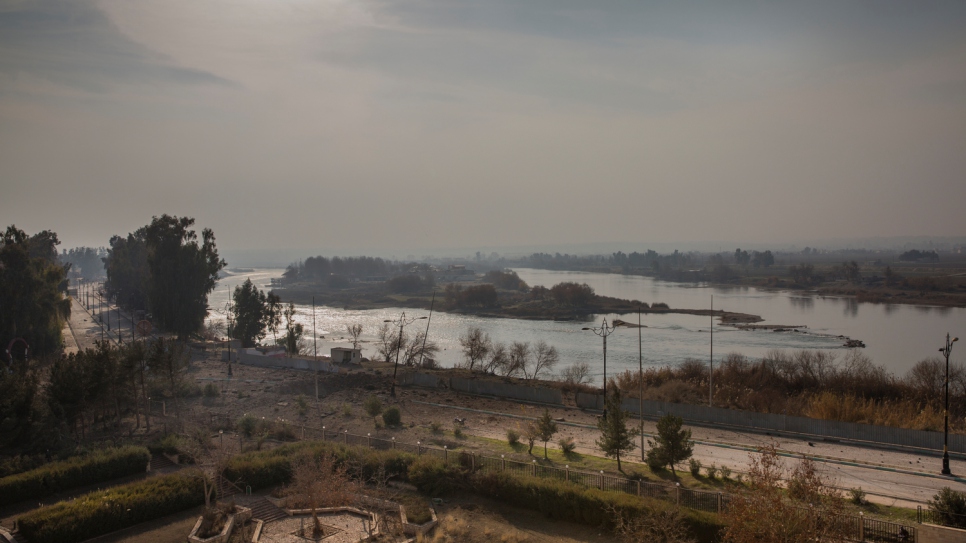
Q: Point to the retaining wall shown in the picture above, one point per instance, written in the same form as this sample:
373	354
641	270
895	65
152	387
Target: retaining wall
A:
286	362
783	423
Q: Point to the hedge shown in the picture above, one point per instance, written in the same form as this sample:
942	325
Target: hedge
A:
99	466
570	501
273	467
109	510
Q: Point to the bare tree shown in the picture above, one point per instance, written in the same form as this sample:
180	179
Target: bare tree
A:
498	360
577	374
354	330
318	483
476	346
544	359
660	524
517	360
389	342
419	349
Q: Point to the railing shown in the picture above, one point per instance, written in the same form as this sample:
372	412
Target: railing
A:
858	528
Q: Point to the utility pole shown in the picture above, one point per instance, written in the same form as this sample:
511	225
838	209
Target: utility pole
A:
946	350
603	331
431	304
711	360
640	379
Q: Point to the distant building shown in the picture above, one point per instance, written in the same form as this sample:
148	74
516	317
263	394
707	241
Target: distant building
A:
345	355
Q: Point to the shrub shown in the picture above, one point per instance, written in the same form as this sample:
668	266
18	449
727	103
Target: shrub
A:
457	431
211	391
857	495
109	510
655	460
512	436
434	477
246	425
567	445
392	417
694	466
54	477
949	507
725	472
436	427
712	471
346	410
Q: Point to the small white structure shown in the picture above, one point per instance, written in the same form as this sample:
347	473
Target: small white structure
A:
345	355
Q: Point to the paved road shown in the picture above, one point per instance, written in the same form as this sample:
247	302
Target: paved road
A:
889	477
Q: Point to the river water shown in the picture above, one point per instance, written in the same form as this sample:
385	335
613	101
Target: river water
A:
896	336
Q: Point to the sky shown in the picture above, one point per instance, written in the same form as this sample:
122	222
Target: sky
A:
344	127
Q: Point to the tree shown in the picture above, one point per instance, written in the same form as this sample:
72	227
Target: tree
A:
671	444
546	428
499	359
167	360
294	342
476	346
577	374
182	273
373	407
320	482
661	523
544	358
273	314
742	258
948	508
250	311
390	342
355	331
32	287
126	267
572	294
765	513
615	437
418	350
851	272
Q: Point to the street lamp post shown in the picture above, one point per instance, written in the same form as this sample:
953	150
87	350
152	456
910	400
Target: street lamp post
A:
945	350
403	321
603	331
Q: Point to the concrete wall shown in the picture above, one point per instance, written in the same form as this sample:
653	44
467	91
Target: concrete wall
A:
930	533
284	362
486	388
784	423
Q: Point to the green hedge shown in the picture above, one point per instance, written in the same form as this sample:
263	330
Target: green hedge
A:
109	510
99	466
569	501
273	467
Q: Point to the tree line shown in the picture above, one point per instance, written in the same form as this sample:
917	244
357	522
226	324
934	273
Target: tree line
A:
165	269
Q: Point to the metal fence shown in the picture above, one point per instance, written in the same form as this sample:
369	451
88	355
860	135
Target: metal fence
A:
859	528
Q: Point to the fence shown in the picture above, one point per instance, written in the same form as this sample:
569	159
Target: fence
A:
889	435
859	528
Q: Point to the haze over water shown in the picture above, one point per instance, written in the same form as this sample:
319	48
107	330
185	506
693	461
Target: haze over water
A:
896	336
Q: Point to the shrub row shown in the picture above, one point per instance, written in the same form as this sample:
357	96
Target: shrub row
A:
569	501
102	465
273	467
109	510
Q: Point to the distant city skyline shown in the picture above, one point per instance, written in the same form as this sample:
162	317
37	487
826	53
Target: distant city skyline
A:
370	127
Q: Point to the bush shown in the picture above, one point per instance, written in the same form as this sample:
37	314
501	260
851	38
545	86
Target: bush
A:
694	466
109	510
512	436
563	500
655	460
392	417
246	425
567	445
436	427
96	467
725	472
857	496
434	477
712	471
211	391
949	507
457	431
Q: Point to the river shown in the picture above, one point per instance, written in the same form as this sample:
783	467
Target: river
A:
896	336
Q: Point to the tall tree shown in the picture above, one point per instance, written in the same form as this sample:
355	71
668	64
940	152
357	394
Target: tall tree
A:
183	273
615	437
250	310
32	287
273	314
126	267
671	444
293	332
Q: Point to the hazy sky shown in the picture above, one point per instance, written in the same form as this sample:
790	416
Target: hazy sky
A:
362	125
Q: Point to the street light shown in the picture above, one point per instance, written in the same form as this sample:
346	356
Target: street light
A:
945	350
603	331
403	321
